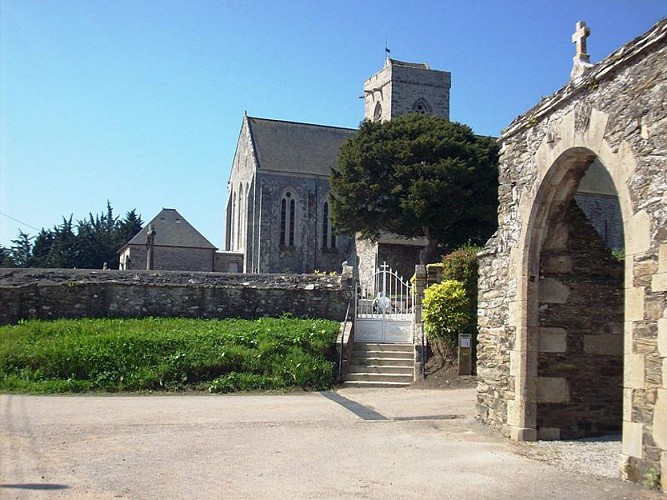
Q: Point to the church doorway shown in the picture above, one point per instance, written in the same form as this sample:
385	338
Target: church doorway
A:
575	306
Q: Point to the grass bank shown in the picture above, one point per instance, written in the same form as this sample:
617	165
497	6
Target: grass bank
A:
114	355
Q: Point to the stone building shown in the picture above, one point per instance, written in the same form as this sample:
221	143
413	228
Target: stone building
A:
277	212
572	341
177	246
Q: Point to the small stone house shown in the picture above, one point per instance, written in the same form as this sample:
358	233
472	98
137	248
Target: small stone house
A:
177	246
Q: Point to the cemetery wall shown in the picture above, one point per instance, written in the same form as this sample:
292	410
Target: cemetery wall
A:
62	293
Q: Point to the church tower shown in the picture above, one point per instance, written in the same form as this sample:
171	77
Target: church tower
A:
400	88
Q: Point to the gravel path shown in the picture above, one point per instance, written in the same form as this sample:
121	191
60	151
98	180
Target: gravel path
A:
593	456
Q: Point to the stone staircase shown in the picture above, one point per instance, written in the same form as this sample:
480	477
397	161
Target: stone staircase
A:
380	365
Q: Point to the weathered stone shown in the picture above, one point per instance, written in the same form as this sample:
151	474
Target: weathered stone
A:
612	117
604	344
553	292
63	293
553	340
552	390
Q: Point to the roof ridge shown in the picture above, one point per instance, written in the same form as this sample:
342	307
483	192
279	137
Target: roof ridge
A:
292	122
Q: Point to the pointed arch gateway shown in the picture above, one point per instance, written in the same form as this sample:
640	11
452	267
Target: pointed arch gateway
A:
573	360
572	325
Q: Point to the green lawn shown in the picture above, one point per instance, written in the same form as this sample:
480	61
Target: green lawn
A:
167	354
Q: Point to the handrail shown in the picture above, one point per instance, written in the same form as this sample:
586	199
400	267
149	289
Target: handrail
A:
342	344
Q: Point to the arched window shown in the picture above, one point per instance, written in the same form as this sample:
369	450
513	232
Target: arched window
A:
328	233
239	219
377	113
234	216
422	106
288	219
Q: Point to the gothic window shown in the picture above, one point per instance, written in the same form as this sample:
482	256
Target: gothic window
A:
377	113
422	106
287	219
239	219
234	212
328	234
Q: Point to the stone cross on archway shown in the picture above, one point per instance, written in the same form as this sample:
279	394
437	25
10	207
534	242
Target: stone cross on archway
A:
579	39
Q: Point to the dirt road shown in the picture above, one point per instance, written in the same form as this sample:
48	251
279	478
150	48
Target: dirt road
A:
391	444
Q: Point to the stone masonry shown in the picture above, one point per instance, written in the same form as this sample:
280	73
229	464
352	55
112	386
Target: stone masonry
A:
63	293
614	112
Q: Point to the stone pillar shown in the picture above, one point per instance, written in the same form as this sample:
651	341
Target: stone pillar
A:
418	336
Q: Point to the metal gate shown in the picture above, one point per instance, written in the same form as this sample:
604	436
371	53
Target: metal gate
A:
384	309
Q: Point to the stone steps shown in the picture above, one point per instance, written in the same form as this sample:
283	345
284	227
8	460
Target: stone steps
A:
381	365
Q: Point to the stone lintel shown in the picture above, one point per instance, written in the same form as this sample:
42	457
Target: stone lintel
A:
634	371
552	390
611	345
552	339
632	439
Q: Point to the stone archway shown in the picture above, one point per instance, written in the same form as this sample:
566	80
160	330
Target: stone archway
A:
614	114
574	313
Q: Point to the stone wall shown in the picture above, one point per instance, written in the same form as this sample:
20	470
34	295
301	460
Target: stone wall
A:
580	338
307	254
616	113
170	258
61	293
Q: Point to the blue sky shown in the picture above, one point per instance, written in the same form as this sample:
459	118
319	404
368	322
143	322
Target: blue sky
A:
140	102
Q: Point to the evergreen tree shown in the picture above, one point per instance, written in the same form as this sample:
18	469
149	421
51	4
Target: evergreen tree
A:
21	252
89	244
6	259
417	175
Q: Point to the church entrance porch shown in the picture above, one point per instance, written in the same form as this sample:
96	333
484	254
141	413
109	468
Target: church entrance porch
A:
384	309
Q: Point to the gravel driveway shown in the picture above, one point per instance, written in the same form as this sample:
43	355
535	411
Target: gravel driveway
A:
309	445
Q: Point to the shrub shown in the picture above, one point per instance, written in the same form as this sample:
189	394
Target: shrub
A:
446	310
461	265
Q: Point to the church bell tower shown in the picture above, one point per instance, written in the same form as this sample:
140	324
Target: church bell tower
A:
400	88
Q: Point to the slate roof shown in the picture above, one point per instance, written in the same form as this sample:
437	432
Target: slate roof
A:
172	230
299	148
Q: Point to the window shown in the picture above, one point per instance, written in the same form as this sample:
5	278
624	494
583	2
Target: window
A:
287	219
328	233
422	106
377	114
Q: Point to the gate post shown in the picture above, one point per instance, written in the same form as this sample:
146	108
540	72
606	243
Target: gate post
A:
418	335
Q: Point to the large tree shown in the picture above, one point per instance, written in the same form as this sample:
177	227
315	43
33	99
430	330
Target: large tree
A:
417	175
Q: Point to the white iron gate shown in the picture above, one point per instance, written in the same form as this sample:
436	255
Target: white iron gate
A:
385	309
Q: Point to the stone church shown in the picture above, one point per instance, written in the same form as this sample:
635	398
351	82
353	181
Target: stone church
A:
278	208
